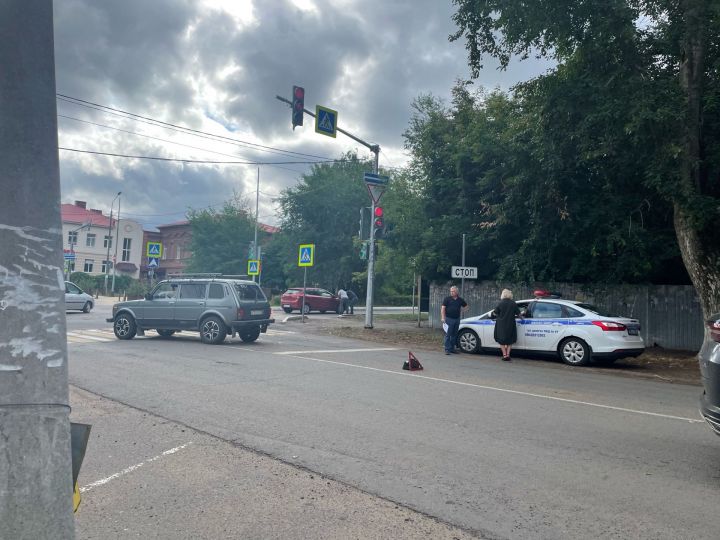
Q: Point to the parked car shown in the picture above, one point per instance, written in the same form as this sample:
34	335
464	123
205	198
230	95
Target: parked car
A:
315	300
214	306
709	357
76	298
577	332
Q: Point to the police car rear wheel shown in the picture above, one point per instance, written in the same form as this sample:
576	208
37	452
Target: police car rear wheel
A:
575	352
468	341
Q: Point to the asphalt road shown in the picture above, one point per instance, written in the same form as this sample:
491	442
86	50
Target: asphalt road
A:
469	446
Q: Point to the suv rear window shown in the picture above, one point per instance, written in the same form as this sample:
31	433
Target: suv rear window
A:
249	291
293	291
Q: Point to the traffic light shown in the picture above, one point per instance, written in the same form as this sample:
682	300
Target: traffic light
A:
364	251
365	223
298	106
378	221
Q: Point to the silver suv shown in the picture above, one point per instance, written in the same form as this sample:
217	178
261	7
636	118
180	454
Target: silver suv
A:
215	306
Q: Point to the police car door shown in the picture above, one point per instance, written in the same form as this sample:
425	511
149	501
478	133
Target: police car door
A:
543	327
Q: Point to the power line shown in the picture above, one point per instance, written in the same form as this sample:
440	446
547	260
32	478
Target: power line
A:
161	139
209	162
153	121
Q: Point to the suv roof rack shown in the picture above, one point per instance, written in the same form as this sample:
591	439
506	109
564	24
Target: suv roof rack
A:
195	275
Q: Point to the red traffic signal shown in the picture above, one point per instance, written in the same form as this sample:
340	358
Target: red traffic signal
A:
378	220
298	106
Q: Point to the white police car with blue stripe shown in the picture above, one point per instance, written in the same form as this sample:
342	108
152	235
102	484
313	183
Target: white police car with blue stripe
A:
577	332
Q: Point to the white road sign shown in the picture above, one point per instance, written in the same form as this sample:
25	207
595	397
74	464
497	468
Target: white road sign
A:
467	272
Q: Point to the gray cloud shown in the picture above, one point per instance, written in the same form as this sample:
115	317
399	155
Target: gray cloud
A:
185	62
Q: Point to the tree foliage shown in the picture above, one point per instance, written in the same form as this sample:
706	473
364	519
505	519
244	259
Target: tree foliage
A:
633	101
221	238
323	209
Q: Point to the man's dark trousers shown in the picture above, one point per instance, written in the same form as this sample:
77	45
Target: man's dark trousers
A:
451	335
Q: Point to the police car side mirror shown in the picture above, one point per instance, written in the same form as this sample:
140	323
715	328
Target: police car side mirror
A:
148	296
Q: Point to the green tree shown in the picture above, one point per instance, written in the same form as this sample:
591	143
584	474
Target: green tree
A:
221	238
323	209
659	55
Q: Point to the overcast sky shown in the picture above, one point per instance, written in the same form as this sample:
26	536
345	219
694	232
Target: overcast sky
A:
216	66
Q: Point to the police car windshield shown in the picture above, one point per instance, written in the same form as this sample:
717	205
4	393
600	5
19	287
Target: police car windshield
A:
596	310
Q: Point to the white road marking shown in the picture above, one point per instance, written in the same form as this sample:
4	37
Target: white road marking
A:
132	468
338	351
495	388
76	335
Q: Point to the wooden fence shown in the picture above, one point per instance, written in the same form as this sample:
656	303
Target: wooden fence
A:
670	315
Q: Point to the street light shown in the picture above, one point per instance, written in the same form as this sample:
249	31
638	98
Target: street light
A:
107	257
72	243
117	235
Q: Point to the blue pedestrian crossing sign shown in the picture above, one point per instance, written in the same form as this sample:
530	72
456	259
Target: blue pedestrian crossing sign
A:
153	262
253	268
306	255
325	121
154	249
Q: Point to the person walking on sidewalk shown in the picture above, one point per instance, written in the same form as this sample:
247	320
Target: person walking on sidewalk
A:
505	329
452	308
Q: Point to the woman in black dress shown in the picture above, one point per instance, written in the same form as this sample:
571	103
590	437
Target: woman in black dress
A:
505	329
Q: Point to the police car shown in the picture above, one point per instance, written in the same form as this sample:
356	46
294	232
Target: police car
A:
577	332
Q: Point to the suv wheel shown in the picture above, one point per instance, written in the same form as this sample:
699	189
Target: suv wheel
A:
87	307
248	336
212	330
287	310
574	351
306	309
124	326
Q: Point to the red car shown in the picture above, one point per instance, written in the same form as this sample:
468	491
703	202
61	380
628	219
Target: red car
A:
315	300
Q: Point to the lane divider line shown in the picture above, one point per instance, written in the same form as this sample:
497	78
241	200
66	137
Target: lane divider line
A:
337	351
498	389
132	468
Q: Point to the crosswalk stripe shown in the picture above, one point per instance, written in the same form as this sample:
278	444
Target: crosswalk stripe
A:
103	335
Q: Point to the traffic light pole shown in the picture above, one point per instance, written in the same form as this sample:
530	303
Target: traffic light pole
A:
36	481
375	149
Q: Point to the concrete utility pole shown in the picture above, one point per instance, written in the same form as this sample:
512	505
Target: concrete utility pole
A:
109	243
35	461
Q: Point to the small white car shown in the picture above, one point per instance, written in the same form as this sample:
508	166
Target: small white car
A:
76	298
577	332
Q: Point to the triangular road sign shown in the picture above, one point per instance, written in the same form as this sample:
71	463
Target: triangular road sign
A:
376	191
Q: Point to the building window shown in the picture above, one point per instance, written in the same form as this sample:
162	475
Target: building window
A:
90	240
72	238
178	251
89	263
107	243
105	267
126	249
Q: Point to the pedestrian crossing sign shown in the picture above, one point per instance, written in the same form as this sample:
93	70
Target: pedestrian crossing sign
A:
253	268
325	121
306	255
154	249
